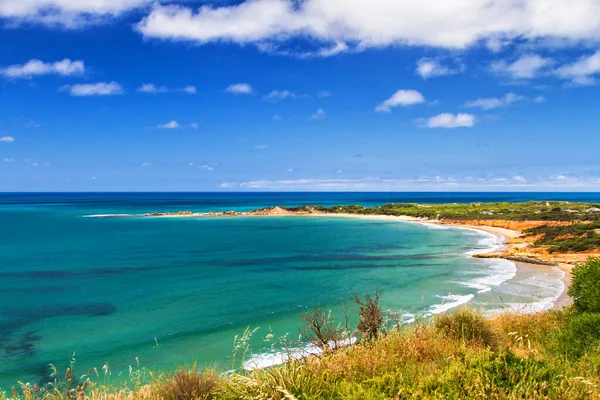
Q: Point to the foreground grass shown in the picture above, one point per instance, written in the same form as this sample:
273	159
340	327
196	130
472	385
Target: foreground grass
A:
456	356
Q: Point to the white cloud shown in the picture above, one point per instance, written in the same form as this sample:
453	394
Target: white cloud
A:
260	146
152	88
375	23
239	88
93	89
279	95
207	167
7	139
447	120
277	117
519	178
429	68
169	125
146	164
494	102
582	71
324	93
190	89
8	160
539	99
401	98
194	125
65	13
33	68
320	114
33	124
528	66
227	185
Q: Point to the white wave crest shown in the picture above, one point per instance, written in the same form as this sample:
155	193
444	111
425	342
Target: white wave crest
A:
270	359
449	302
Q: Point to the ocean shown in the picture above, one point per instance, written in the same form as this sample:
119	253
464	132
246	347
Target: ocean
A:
170	292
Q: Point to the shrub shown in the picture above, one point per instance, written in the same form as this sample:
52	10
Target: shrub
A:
370	314
187	385
580	336
585	286
320	329
466	325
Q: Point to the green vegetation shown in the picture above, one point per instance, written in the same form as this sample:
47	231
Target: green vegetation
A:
585	286
576	237
549	355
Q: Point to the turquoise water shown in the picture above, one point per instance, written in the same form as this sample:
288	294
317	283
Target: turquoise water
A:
174	291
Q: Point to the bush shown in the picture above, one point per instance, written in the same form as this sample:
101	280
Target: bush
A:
580	336
585	286
321	330
187	385
466	325
370	314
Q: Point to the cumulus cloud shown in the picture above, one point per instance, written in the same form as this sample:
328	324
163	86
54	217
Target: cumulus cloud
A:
363	24
93	89
152	88
401	98
280	95
33	68
320	114
7	139
528	66
448	120
169	125
239	88
430	68
65	13
490	103
582	71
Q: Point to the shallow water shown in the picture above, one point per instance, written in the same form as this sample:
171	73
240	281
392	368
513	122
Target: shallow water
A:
174	291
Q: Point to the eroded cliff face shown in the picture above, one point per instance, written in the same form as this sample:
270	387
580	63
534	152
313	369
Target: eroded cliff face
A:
506	224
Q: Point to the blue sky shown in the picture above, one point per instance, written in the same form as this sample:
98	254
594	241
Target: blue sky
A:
135	95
